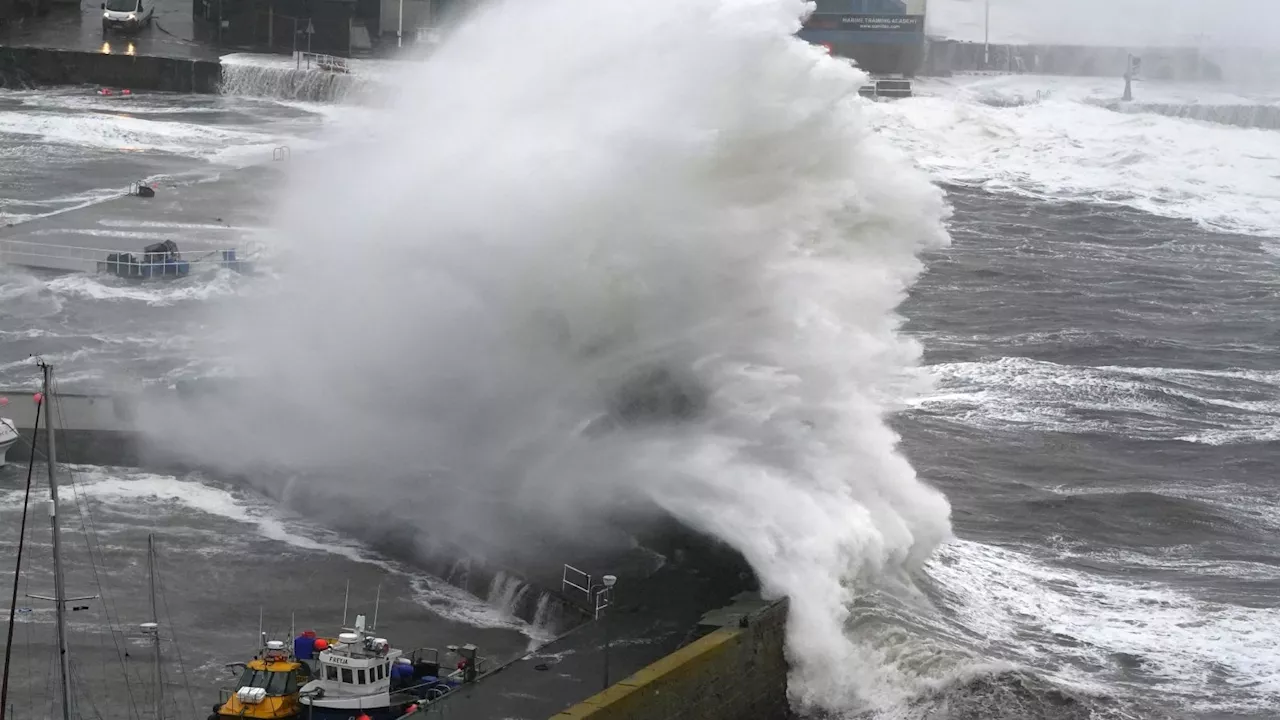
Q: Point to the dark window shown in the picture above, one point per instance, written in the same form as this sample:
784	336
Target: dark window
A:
255	678
360	677
330	672
346	676
278	683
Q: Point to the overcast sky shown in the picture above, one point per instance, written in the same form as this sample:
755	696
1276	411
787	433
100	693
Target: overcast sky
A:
1238	23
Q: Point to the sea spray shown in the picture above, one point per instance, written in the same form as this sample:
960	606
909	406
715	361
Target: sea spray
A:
602	258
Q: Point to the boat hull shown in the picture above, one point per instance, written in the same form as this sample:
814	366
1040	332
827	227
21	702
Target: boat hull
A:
319	712
8	437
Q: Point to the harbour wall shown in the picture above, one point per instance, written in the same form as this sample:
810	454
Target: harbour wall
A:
730	673
944	57
24	67
32	67
102	429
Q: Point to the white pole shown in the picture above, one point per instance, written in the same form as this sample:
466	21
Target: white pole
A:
345	598
400	27
986	37
59	592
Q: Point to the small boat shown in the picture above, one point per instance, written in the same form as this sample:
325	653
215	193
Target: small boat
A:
269	686
8	436
362	675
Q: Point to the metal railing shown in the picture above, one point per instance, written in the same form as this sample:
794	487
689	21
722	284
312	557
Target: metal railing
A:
432	655
318	61
599	596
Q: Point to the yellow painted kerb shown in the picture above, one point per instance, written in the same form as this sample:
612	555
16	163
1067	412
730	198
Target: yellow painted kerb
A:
682	660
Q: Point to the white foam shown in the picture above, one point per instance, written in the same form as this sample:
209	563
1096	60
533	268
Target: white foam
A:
453	603
124	133
1141	402
192	289
1210	656
126	489
1064	149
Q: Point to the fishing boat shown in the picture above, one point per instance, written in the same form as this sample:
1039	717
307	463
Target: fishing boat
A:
268	688
8	436
359	674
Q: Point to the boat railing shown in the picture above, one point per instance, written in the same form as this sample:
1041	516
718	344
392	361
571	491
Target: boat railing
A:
88	259
432	655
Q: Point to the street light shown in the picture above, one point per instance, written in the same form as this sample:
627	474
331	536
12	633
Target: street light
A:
986	37
609	582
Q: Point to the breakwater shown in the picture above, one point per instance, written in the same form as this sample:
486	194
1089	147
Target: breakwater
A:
735	671
944	57
24	67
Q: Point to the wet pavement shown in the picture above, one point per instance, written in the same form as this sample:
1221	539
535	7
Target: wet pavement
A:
651	618
79	27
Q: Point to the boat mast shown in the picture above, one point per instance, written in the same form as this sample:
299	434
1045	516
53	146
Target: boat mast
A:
155	622
59	591
17	572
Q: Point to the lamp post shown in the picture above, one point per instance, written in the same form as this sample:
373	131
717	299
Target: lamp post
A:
609	582
986	36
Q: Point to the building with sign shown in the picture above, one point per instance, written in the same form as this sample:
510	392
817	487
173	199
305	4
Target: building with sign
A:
884	37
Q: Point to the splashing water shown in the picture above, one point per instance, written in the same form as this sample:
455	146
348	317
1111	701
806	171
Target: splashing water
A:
573	205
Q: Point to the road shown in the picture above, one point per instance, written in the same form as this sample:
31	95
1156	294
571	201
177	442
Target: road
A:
79	27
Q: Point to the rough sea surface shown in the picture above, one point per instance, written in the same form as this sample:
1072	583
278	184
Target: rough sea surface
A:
1104	419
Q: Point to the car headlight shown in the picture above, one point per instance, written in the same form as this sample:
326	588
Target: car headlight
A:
106	15
133	16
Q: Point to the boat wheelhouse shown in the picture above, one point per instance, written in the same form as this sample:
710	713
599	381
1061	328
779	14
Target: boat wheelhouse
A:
360	674
268	688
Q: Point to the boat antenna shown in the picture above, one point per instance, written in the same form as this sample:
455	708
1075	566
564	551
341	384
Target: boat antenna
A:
155	622
17	570
59	590
345	599
376	600
262	637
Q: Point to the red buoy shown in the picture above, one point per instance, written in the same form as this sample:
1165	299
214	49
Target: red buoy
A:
104	91
126	91
4	401
38	397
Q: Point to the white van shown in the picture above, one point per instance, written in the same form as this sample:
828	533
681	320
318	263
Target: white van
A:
126	15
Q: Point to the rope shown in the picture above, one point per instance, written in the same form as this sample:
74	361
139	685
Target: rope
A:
103	590
17	574
177	644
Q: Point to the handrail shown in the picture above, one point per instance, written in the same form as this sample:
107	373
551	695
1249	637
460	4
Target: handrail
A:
331	63
249	247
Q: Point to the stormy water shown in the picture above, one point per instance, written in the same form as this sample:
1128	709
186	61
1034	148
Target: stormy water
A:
1061	316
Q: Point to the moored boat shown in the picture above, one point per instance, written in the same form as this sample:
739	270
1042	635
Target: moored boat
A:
269	686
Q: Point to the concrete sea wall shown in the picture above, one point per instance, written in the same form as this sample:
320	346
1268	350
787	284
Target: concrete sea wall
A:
731	673
952	56
35	66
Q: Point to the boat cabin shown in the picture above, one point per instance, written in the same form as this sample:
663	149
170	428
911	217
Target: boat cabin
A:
355	665
268	687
